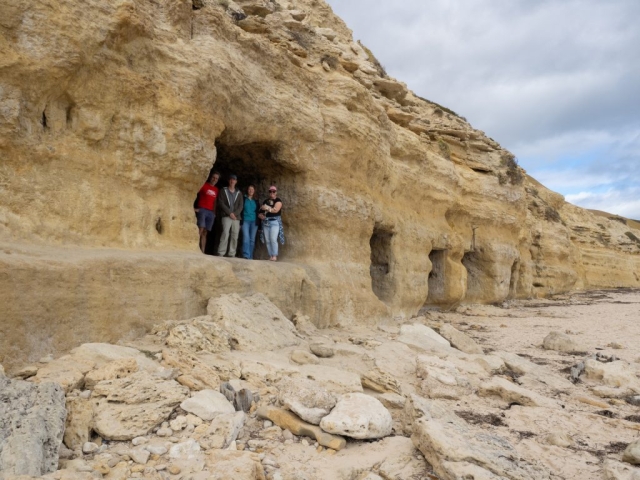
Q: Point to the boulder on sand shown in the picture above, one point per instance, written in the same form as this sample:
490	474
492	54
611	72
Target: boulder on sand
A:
360	416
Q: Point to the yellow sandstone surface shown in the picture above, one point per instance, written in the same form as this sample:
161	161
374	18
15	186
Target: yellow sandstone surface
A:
113	113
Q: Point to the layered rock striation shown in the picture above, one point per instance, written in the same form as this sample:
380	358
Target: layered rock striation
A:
111	116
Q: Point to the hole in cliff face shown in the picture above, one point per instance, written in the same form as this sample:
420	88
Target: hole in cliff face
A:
197	4
437	285
159	226
254	164
381	258
43	120
473	264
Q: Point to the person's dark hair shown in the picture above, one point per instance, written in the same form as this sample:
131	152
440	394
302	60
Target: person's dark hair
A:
211	174
254	189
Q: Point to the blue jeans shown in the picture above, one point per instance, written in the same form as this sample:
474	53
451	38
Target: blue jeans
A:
249	230
271	230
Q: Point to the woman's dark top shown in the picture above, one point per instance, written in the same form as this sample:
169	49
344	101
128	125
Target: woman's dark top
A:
272	202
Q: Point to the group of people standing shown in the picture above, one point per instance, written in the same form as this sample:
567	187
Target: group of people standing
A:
238	211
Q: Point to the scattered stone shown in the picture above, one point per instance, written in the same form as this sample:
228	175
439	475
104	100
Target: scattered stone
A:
392	400
79	422
174	469
306	398
491	363
423	338
559	439
112	370
185	449
130	407
89	447
179	423
632	453
140	455
360	416
321	350
614	470
512	393
460	340
26	372
62	372
244	465
291	422
613	374
223	431
164	432
156	449
592	401
303	358
206	404
32	419
562	343
380	381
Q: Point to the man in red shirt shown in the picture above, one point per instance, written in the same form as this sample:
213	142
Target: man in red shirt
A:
206	207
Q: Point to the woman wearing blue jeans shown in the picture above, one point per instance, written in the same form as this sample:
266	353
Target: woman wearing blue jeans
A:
270	213
250	223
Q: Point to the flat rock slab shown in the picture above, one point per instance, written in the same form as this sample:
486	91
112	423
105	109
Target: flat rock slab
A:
32	419
561	342
130	407
460	340
206	404
290	421
360	416
512	393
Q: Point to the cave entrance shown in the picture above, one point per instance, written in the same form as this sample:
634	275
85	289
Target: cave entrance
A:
253	164
437	285
381	257
473	264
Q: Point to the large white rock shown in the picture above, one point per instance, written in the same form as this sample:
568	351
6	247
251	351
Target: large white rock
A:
224	430
561	342
306	398
632	453
31	427
206	404
360	416
613	374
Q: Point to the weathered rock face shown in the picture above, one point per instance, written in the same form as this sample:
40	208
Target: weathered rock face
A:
32	419
112	115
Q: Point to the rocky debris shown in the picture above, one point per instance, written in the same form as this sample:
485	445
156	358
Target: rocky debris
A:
27	371
632	453
63	372
32	419
130	407
222	431
512	393
225	464
455	450
110	371
252	323
562	343
380	381
321	350
493	364
614	470
199	334
460	340
193	372
295	425
441	378
206	404
613	374
302	357
306	398
241	400
79	422
360	416
333	379
185	450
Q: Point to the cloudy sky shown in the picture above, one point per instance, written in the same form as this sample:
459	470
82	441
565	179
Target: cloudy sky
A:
557	82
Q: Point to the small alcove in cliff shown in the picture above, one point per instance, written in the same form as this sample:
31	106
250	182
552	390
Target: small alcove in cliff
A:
513	281
473	264
381	257
437	285
254	163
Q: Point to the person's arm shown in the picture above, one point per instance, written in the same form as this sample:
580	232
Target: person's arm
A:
276	208
239	206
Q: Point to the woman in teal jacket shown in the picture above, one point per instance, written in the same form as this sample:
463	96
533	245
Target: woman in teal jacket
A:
250	222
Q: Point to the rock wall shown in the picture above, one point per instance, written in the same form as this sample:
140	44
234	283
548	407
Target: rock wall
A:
111	116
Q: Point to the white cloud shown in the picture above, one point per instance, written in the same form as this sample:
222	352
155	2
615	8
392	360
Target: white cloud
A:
622	202
555	81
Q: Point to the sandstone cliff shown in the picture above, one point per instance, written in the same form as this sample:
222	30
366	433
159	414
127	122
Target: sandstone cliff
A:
113	113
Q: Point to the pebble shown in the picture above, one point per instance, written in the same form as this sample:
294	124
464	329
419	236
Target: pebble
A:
174	469
156	449
89	447
86	394
140	456
319	449
165	432
179	423
138	441
287	435
632	453
193	420
173	439
161	467
138	468
112	462
136	474
267	424
305	442
102	468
